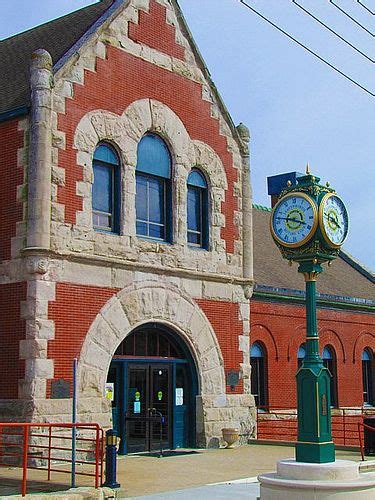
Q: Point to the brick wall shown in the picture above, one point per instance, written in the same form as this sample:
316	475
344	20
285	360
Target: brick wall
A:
224	318
281	329
12	330
122	79
73	311
10	177
76	307
153	31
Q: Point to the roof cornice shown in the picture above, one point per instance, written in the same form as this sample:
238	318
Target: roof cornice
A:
14	113
324	300
349	259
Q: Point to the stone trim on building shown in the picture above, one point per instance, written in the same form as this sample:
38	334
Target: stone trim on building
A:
152	301
18	241
111	128
125	132
39	330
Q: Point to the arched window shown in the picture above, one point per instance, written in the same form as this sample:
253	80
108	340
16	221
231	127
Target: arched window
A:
259	383
301	355
153	189
106	189
367	371
329	361
197	210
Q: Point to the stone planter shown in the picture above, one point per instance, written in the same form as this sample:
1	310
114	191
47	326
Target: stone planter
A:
230	436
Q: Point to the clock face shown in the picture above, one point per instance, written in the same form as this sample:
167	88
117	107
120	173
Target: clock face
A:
294	220
333	220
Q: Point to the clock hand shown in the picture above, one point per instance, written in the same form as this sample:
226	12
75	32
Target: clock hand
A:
331	219
291	219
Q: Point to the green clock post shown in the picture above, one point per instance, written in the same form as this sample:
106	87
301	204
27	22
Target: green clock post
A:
309	223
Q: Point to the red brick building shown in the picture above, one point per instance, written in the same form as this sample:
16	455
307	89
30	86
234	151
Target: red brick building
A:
346	323
125	237
126	240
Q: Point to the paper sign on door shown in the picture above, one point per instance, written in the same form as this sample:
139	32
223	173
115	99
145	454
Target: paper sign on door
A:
179	396
137	407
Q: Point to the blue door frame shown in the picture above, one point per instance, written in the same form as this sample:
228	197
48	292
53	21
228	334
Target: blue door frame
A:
183	415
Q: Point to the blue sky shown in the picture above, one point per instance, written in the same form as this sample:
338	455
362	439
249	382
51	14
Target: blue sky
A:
298	110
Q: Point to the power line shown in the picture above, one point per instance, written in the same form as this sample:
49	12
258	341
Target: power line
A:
332	31
350	17
365	7
306	48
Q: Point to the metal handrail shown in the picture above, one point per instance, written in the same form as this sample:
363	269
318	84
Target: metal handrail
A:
361	441
25	432
284	428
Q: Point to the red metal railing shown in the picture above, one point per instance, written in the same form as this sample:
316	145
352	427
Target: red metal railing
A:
44	446
280	424
361	429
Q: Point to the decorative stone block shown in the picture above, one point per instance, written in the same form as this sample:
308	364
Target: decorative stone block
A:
33	349
39	368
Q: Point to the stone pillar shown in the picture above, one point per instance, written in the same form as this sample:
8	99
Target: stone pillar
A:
247	198
39	170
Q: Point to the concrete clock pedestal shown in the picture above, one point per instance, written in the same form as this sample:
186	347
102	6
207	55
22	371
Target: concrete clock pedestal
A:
310	481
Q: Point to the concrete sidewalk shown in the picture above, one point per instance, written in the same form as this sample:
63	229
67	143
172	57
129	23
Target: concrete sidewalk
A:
225	491
143	474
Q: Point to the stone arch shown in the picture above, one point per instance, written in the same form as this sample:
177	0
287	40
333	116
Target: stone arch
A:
364	339
100	125
143	303
124	132
266	337
207	160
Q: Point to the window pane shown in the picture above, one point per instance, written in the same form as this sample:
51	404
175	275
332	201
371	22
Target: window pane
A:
194	209
196	179
102	220
152	344
102	189
163	346
366	355
327	354
150	207
140	343
156	200
301	352
153	156
142	228
256	351
128	346
156	231
141	198
106	155
194	238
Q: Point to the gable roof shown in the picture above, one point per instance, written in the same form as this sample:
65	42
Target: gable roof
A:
56	36
342	279
62	37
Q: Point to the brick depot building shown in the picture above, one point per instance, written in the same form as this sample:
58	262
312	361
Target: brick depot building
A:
346	327
126	240
126	236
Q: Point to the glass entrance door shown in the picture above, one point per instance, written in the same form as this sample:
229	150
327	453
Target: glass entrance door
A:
137	409
148	400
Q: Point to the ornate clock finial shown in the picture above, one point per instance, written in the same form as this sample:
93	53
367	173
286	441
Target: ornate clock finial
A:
308	169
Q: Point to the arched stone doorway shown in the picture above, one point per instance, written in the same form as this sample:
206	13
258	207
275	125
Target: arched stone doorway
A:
152	382
164	304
